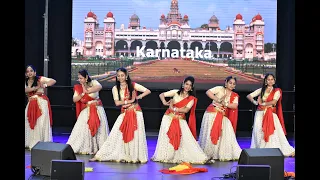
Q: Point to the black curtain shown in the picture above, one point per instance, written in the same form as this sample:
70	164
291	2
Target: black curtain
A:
286	44
60	38
34	33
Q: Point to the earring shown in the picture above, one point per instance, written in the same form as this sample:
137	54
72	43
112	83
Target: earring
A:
182	86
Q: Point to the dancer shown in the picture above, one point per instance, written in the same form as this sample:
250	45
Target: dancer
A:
91	129
38	114
268	128
127	140
177	141
218	128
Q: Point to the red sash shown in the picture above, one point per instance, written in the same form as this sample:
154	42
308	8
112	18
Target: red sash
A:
94	120
231	114
34	111
268	123
129	123
174	132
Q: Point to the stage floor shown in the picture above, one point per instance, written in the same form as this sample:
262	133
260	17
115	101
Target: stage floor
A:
150	170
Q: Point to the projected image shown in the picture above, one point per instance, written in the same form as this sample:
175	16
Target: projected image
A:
161	42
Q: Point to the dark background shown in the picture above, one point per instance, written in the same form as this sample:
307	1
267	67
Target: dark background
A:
59	49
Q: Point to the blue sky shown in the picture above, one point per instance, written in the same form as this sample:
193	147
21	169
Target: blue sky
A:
199	12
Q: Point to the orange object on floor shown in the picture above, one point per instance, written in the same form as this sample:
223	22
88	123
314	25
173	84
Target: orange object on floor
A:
289	174
183	168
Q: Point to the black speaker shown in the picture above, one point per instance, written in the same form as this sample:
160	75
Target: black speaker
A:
44	152
264	156
67	169
253	172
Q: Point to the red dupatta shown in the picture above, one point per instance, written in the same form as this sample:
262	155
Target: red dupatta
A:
129	123
231	114
174	132
34	111
94	120
268	126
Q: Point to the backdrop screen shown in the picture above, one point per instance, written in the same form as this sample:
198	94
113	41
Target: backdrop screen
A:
161	42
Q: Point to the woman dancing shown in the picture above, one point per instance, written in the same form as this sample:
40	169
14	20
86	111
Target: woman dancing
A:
127	140
268	128
177	140
91	128
218	128
38	121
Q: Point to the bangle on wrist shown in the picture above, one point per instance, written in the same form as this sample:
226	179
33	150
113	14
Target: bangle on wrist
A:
45	85
263	104
125	102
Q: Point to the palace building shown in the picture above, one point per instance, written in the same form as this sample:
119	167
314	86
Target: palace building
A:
239	41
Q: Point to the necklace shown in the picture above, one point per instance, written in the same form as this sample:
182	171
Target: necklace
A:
123	86
30	82
184	94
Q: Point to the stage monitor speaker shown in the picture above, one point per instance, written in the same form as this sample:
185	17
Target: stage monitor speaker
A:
67	169
264	156
253	172
44	152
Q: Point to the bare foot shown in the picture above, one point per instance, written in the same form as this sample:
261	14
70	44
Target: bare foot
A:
93	159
